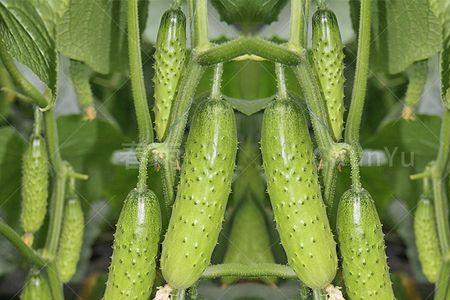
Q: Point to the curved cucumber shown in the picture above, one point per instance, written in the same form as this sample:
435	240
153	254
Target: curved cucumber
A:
328	57
205	184
365	268
36	287
71	240
427	241
136	240
294	191
249	241
34	185
169	62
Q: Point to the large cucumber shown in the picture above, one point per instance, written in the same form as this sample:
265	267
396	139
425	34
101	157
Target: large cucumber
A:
364	264
169	63
294	191
133	265
202	196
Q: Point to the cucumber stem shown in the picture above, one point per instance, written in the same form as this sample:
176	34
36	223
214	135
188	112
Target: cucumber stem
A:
299	24
245	270
217	81
179	294
37	126
318	294
199	12
143	164
281	81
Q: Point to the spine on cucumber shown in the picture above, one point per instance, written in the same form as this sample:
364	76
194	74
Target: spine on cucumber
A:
169	63
133	266
328	57
361	241
294	191
71	239
249	241
34	185
36	287
427	241
203	191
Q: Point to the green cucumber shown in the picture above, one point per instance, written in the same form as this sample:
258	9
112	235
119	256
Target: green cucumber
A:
36	287
364	262
71	239
249	241
427	241
169	63
417	76
203	191
294	190
133	266
34	185
80	74
328	57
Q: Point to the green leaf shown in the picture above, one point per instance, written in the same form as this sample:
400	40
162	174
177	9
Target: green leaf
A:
404	31
26	37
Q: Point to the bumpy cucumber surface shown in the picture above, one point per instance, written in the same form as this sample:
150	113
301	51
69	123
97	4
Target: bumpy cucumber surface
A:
34	185
71	239
328	57
249	241
294	191
364	264
169	62
133	267
36	287
427	241
203	191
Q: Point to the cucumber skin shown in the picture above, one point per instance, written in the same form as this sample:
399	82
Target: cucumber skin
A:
36	287
427	241
133	266
249	241
34	185
71	240
169	64
294	191
364	261
328	57
203	191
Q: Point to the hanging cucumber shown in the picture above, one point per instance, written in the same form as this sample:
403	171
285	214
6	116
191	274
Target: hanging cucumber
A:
427	241
36	287
328	57
133	265
364	264
169	63
249	241
80	75
417	76
202	196
294	191
71	239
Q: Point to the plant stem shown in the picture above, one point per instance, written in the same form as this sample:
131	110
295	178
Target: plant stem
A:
442	289
281	81
298	24
54	282
254	270
329	181
200	34
144	119
250	46
354	165
318	294
11	235
37	127
217	81
31	91
179	294
360	82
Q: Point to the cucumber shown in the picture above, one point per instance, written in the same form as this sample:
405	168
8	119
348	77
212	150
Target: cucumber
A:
364	264
294	191
417	76
427	241
249	241
80	75
328	57
169	64
71	239
34	185
36	287
203	191
133	266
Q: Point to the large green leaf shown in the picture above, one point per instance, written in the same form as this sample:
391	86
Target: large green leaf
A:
27	39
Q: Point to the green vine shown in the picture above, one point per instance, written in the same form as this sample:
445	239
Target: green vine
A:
243	270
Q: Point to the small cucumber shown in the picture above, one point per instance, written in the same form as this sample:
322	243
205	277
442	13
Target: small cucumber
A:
294	191
34	185
328	57
36	287
133	265
169	63
203	191
80	74
427	241
364	264
249	241
71	239
417	76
